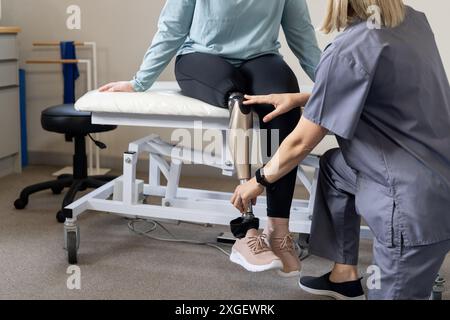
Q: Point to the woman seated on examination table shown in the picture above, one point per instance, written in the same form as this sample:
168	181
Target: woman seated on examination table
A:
227	46
383	91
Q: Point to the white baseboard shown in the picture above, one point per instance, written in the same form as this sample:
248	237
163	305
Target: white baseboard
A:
8	166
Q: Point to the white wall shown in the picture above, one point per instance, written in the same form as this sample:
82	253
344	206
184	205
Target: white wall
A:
123	31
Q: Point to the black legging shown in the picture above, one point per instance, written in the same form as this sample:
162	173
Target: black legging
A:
211	79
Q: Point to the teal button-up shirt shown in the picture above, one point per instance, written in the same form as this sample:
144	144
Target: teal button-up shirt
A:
237	30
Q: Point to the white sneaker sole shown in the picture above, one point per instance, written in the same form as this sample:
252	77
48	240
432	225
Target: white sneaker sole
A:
330	294
237	258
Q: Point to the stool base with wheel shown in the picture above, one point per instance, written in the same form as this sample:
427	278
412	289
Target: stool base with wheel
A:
75	126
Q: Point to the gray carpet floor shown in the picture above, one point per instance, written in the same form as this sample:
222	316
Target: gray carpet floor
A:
118	264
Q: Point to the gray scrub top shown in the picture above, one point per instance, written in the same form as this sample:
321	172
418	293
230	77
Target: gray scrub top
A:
385	95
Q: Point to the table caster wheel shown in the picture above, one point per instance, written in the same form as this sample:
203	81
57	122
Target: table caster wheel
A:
303	240
72	247
60	217
438	288
436	296
20	204
303	246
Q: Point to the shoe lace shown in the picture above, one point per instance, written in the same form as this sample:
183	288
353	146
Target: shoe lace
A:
287	243
258	244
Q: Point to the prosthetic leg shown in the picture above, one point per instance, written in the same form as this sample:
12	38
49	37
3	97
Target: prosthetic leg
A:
241	122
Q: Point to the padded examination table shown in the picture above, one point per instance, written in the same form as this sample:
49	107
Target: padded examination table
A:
161	106
164	106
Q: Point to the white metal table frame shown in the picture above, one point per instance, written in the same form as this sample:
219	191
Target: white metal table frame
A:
180	204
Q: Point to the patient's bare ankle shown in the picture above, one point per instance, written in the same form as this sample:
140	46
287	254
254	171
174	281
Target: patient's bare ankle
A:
344	273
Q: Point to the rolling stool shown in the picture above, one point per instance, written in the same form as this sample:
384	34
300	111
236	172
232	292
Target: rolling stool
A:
76	126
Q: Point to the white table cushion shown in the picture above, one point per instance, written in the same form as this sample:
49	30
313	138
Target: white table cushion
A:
164	98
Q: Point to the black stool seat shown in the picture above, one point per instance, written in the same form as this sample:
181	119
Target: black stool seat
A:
66	120
75	126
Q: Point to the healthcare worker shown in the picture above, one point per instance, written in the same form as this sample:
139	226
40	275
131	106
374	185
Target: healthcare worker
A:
382	90
231	46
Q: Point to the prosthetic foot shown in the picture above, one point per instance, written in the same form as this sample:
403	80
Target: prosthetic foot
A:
241	122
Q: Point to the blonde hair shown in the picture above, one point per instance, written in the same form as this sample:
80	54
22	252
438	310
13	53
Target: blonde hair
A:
340	13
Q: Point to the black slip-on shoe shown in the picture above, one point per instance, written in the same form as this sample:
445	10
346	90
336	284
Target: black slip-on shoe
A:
322	286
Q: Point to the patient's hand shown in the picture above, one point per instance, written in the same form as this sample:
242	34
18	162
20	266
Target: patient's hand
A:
121	86
283	103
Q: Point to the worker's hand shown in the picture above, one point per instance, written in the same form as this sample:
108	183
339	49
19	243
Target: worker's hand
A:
246	193
282	103
121	86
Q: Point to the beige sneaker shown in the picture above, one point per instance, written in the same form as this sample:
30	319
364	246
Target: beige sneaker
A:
284	248
253	253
